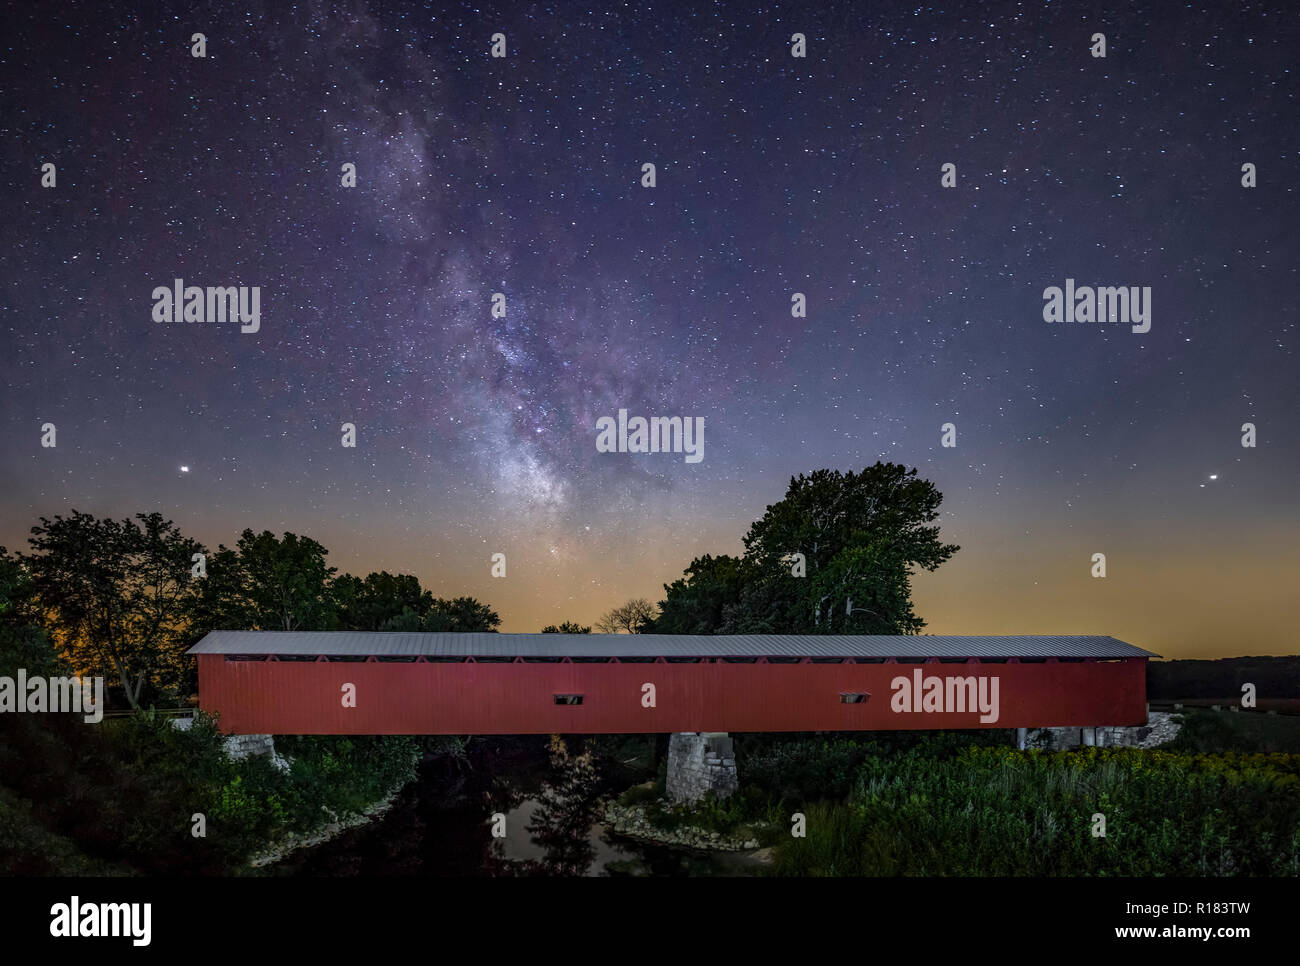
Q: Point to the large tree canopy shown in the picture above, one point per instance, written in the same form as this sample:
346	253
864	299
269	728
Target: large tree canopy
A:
835	556
267	583
116	595
286	581
828	511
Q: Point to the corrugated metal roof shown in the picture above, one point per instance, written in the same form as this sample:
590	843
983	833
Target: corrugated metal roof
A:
397	643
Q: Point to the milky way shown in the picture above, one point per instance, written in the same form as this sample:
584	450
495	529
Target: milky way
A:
775	175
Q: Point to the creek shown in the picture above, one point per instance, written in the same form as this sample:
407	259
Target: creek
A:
551	795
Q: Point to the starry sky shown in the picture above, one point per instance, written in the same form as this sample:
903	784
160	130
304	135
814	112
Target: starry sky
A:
774	175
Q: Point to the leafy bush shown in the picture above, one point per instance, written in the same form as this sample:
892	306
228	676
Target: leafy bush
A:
344	775
739	812
826	767
121	795
638	795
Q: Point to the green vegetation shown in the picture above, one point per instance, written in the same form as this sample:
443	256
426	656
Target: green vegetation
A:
993	811
960	804
747	814
1209	731
639	795
113	596
825	767
966	803
27	847
119	797
834	556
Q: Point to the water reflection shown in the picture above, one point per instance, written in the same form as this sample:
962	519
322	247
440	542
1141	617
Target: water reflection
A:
556	833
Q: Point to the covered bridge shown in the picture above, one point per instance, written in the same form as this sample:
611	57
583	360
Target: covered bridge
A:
345	682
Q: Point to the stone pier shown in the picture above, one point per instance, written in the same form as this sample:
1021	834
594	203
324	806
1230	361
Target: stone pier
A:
1160	727
700	762
242	746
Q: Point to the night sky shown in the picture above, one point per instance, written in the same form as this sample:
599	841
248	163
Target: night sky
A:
775	175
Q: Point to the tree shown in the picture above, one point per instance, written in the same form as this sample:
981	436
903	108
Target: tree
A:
383	602
568	627
369	604
857	537
826	511
864	590
634	617
23	642
462	615
220	604
697	603
270	583
116	595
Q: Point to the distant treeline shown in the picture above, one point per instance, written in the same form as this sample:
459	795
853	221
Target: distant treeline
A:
1273	677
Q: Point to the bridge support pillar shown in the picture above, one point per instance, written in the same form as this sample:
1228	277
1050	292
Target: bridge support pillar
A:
700	762
1022	738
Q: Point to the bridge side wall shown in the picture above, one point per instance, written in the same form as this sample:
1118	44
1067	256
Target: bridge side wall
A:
272	697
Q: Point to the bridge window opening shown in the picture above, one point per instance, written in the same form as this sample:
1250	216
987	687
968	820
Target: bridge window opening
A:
993	660
245	657
952	660
494	660
784	660
543	660
868	660
740	660
589	660
1033	660
911	660
438	659
828	660
343	658
398	659
683	660
568	699
1070	660
636	660
300	657
853	697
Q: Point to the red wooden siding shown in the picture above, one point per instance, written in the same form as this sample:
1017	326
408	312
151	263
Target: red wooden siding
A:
283	697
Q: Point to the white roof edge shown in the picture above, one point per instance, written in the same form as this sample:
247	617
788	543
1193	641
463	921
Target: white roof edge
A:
400	643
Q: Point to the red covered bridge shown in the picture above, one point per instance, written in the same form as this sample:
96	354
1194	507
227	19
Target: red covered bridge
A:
343	682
